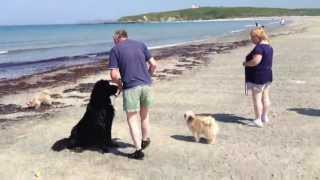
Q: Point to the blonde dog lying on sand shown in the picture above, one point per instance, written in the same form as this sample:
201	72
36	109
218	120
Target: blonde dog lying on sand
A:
42	98
202	125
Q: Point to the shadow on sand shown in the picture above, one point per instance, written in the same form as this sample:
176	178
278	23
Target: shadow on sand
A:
64	143
228	118
306	111
188	139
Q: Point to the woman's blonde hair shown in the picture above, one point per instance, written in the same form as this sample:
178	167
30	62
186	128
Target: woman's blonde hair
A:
260	33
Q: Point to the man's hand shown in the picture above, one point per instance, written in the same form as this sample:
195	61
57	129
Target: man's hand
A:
152	65
120	88
116	78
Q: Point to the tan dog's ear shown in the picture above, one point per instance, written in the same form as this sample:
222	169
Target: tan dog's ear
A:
29	104
189	114
193	116
189	117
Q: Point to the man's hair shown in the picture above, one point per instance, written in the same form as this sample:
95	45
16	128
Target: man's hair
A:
120	34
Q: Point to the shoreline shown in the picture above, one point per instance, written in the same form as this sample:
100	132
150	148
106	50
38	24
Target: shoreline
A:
32	66
258	18
79	71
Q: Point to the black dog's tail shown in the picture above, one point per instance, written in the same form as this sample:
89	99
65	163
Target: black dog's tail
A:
61	144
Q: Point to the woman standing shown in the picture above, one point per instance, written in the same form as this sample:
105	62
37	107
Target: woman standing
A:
258	74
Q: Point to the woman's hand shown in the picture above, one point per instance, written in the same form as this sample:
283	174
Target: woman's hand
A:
253	62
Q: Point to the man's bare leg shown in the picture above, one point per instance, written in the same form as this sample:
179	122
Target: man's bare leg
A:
134	126
145	123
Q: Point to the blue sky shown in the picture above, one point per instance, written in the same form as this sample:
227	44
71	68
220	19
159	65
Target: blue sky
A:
72	11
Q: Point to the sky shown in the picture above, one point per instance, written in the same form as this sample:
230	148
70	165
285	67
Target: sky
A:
18	12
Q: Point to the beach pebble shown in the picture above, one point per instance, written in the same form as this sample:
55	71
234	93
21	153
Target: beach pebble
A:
37	174
297	81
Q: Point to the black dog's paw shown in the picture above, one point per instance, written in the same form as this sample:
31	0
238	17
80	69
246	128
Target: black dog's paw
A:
77	149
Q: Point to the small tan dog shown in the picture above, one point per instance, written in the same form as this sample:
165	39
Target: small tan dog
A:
42	98
202	125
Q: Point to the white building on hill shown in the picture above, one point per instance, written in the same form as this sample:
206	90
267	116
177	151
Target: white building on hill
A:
195	6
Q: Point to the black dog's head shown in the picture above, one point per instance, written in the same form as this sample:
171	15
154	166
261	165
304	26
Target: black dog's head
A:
101	93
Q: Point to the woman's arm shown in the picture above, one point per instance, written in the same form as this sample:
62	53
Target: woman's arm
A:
254	61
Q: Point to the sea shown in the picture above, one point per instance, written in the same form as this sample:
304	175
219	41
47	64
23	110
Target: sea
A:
31	49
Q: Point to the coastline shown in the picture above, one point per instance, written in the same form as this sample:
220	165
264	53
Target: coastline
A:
14	85
258	18
21	61
205	77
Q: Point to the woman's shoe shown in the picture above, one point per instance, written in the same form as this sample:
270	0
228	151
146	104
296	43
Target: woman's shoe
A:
258	123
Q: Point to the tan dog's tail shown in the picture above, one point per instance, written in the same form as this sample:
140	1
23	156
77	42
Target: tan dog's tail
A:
210	121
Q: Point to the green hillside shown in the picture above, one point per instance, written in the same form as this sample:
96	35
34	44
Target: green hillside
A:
206	13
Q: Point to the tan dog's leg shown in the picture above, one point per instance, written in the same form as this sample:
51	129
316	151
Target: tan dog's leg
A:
212	140
37	104
196	136
47	100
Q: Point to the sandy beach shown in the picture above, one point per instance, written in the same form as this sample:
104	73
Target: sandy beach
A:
206	78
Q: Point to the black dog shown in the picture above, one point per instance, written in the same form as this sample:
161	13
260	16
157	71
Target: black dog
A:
93	131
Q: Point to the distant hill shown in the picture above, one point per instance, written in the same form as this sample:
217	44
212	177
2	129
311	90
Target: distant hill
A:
206	13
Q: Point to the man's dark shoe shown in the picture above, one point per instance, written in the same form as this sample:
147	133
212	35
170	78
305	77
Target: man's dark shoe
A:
138	154
145	143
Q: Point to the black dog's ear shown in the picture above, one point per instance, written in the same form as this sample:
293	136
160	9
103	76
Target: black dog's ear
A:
107	86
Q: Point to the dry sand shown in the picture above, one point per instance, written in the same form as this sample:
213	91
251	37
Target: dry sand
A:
287	148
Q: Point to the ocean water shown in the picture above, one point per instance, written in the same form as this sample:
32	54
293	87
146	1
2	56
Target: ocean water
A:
26	50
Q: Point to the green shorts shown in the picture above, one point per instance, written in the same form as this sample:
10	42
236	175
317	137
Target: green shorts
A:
137	97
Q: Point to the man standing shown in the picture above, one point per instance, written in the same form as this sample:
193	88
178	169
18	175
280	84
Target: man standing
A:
131	66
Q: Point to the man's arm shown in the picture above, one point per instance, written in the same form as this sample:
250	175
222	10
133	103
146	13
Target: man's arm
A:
116	78
152	65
